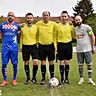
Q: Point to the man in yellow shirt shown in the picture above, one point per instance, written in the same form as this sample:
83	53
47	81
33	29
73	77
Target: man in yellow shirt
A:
46	29
28	42
65	32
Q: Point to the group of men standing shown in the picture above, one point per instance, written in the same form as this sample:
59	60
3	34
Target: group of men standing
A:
41	40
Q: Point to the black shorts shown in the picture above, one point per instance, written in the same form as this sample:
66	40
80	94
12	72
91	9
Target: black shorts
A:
64	51
46	51
28	50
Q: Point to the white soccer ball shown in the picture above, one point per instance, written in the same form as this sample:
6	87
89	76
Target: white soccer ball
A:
53	82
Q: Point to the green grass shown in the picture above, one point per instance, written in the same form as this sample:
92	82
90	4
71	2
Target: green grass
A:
72	89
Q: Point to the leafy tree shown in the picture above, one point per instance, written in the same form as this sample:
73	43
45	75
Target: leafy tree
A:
2	19
84	8
92	22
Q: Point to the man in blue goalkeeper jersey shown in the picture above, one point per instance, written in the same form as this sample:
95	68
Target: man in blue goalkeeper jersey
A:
9	33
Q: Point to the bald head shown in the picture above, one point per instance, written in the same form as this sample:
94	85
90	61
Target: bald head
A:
11	13
78	20
10	16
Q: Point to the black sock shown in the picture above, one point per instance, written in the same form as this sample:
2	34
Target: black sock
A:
35	68
62	72
43	71
27	71
66	71
51	69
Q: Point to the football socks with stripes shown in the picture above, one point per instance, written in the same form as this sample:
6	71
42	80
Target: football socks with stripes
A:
89	71
4	71
80	71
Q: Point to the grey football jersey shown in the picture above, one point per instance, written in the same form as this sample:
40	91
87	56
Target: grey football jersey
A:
83	39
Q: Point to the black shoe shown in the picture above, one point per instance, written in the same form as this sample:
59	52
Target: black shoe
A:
42	82
66	81
34	81
27	81
62	82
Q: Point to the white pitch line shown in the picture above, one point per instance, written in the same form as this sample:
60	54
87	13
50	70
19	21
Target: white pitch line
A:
53	91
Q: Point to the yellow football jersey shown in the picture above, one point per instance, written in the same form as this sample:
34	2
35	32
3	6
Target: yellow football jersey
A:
28	35
65	33
46	32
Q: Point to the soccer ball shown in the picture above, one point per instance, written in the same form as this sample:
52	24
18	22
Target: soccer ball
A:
53	82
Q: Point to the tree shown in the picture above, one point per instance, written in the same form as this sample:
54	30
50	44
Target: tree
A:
92	22
83	8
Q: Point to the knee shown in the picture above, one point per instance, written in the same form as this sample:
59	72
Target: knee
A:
4	65
66	62
43	62
35	62
89	67
26	62
80	65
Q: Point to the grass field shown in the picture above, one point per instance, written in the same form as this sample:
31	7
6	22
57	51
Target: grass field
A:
72	89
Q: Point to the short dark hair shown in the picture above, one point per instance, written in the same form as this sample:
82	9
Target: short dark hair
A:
64	12
46	11
28	14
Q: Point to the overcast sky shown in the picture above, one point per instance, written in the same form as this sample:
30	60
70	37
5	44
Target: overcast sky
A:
21	7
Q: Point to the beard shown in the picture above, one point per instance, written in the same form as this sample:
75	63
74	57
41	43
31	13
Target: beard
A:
46	20
10	20
78	24
29	22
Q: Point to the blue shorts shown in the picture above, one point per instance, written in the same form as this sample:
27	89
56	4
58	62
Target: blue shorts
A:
8	54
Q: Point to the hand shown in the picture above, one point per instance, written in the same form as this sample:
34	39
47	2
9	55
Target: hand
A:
22	24
70	22
93	50
20	49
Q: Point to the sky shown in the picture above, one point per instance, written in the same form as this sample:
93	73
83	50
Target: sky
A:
21	7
